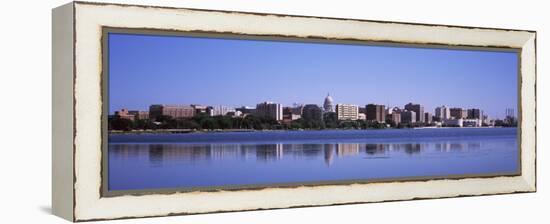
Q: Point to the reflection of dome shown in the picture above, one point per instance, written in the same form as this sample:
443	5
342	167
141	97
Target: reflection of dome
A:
328	104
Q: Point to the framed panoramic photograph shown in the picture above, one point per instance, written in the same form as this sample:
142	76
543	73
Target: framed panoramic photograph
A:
167	111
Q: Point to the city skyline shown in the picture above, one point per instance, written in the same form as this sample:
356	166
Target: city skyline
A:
147	70
508	111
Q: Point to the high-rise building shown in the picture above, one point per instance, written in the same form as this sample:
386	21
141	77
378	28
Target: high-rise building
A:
456	113
418	110
312	112
475	114
408	116
347	111
221	110
427	118
328	104
442	113
173	111
270	109
486	121
363	110
464	113
394	110
394	117
376	112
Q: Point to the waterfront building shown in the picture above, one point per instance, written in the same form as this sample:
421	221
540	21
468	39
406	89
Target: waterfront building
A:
200	109
418	110
487	121
408	116
394	117
462	122
246	110
289	115
234	113
297	108
427	118
347	111
139	115
328	104
453	122
221	110
173	111
361	116
312	112
389	110
394	110
270	109
442	113
475	113
471	122
376	112
286	111
124	114
458	113
363	110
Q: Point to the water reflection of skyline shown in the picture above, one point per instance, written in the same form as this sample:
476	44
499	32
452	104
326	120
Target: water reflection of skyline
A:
157	154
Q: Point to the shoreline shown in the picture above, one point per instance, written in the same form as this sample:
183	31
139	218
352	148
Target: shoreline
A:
191	131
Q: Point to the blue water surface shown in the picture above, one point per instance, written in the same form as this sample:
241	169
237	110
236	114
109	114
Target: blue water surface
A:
159	161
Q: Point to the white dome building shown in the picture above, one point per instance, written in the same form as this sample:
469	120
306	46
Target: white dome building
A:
328	105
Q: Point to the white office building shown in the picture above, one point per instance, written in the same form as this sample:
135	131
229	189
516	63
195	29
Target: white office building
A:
221	110
443	113
347	111
270	109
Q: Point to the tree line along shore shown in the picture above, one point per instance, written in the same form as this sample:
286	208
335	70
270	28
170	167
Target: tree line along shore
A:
205	123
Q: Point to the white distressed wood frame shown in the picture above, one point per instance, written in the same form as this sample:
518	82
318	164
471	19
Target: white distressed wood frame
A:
77	64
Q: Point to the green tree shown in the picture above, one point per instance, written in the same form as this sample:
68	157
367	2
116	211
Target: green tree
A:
224	122
209	123
122	124
296	124
144	124
330	119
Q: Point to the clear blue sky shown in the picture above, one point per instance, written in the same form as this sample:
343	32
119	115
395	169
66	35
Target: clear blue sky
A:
147	69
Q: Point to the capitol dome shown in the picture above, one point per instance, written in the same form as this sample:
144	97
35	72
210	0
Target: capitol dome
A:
328	104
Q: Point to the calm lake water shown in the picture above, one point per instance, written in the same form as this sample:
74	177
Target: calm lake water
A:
156	161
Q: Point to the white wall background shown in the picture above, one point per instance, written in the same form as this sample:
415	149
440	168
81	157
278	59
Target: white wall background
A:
25	112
